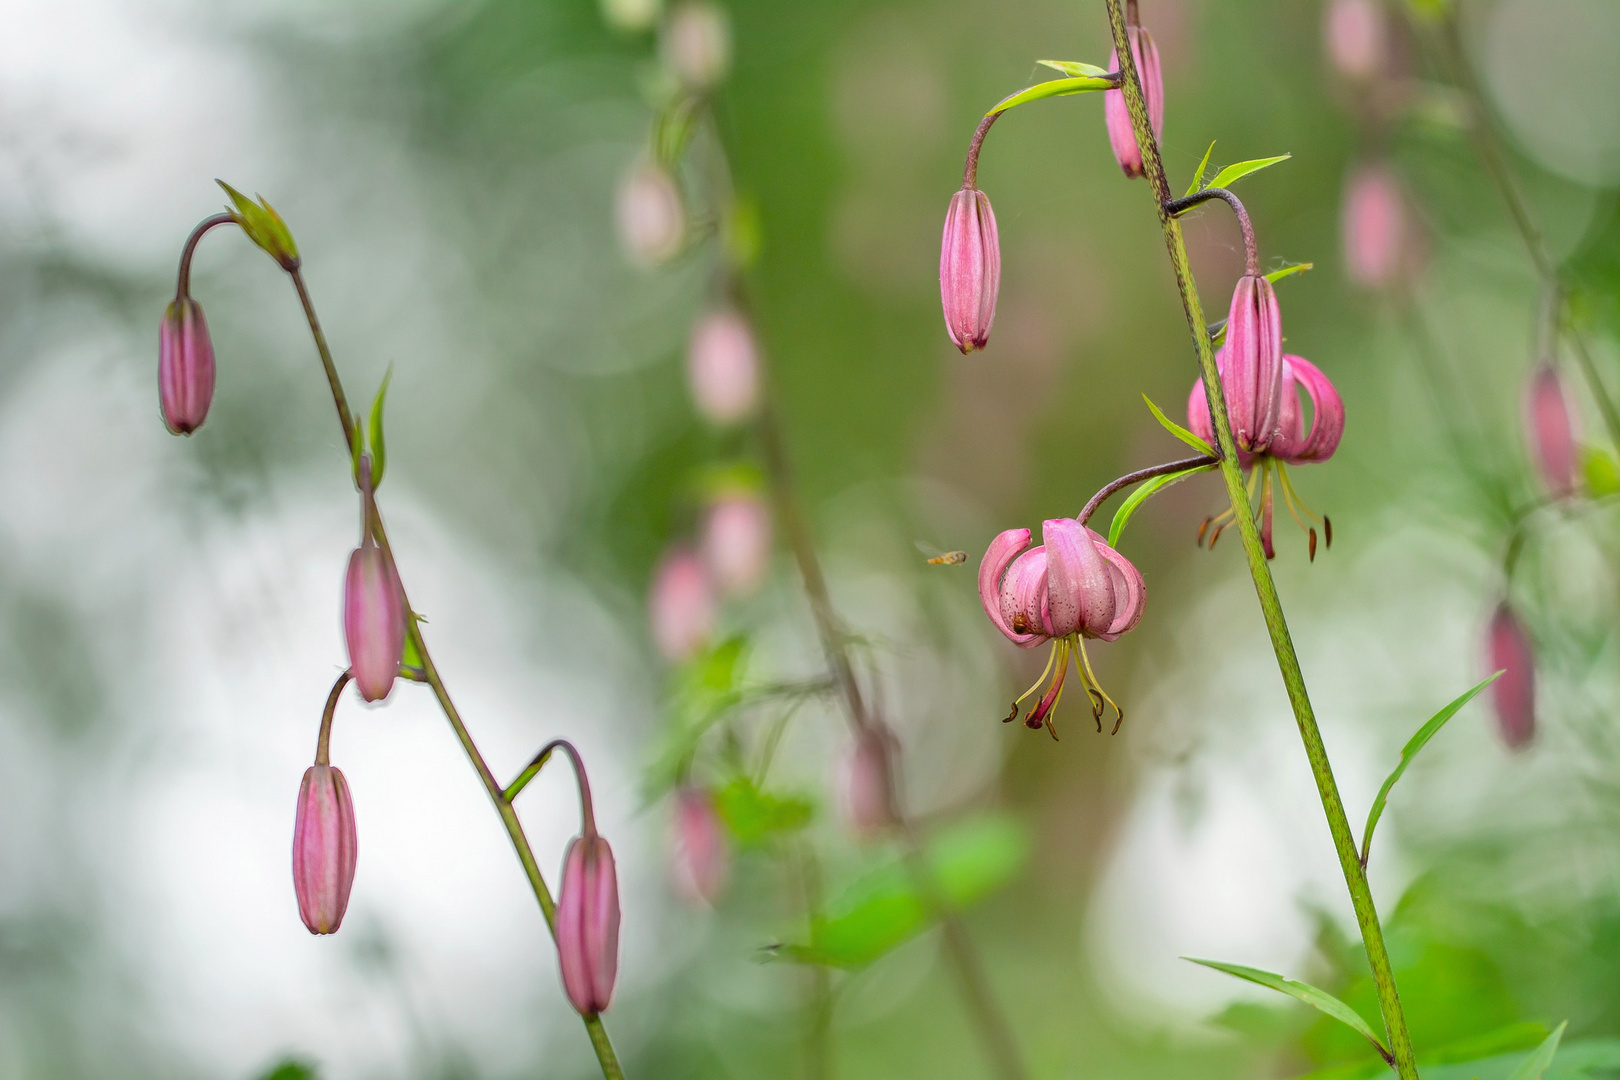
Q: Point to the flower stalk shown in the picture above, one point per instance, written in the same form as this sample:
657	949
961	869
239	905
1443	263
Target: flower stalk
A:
1399	1040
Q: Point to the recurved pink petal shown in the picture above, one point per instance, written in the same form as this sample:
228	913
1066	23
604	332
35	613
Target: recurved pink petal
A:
997	557
1327	409
1080	591
1129	591
1024	600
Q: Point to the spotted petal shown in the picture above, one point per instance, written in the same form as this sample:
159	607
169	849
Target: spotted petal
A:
997	557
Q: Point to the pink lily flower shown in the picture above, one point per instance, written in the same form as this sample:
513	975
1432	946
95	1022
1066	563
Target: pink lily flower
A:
1552	431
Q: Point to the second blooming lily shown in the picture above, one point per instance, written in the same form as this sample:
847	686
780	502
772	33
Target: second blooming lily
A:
1072	587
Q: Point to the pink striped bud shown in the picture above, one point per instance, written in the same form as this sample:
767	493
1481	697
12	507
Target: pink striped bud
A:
588	923
702	856
1356	37
373	620
324	849
651	217
696	44
1513	694
1551	430
737	542
868	781
1121	136
969	269
1251	363
185	366
722	367
681	605
1375	227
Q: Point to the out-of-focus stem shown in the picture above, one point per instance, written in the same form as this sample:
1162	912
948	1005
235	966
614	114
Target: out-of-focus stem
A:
1344	842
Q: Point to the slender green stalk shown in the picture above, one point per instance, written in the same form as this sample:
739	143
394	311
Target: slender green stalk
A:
1344	842
430	674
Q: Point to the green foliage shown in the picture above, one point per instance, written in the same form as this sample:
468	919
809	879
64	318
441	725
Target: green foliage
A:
1288	271
754	817
705	689
1317	999
1233	173
263	226
1601	471
379	448
1052	88
1178	431
1075	68
1142	494
1198	177
290	1069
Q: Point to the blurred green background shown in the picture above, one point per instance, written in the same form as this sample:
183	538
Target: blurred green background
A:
168	608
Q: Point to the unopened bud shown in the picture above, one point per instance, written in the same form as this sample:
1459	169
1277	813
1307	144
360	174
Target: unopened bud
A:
702	855
185	366
868	781
373	620
722	366
737	542
697	44
1356	37
1376	228
1251	363
1121	135
651	217
969	269
588	923
1551	430
1513	694
324	849
681	605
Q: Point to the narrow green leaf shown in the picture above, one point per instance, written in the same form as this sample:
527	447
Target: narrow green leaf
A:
1142	494
705	690
263	226
1051	88
1408	752
1310	995
1289	271
1233	173
1198	177
379	449
755	817
1178	431
1601	471
1540	1058
412	656
1075	68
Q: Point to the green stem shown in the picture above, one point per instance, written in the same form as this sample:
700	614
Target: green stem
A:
1344	842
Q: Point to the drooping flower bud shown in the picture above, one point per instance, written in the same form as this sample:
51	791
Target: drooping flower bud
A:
185	366
1551	430
868	781
324	849
969	269
702	855
588	923
1121	136
651	217
1376	230
722	367
1356	37
1508	650
1251	367
373	620
1074	583
681	605
697	44
737	541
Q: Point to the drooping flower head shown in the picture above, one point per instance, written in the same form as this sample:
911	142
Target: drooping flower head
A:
969	269
1552	430
1071	587
374	613
867	781
1121	136
722	367
324	849
1378	235
1513	694
185	366
1356	36
651	216
681	605
588	923
737	541
701	859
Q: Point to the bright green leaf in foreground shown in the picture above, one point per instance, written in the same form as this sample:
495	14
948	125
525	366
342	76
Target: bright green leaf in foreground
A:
1075	68
1142	494
1178	431
1051	88
1198	177
1540	1058
1601	471
1233	173
1289	271
755	817
1310	995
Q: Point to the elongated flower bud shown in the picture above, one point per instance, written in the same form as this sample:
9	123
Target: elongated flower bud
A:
1251	364
737	542
373	620
185	366
969	269
1513	694
1375	226
696	44
868	782
1121	136
588	923
324	849
702	855
651	217
1356	37
1552	431
681	605
722	367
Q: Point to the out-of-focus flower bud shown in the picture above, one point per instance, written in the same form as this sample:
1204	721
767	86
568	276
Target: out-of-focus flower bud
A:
1376	228
1121	136
697	44
1355	34
969	269
1509	651
588	923
324	849
681	605
1551	430
737	541
373	620
702	855
651	217
185	366
868	781
630	15
722	366
1251	366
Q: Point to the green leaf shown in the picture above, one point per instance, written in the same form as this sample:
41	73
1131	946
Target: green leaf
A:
1408	752
412	656
1076	69
290	1069
1310	995
705	689
755	817
1289	271
885	908
263	226
1541	1057
1233	173
1051	88
1142	494
1602	472
1178	431
379	449
1198	177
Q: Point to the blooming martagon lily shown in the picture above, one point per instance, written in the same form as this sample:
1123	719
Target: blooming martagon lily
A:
1072	587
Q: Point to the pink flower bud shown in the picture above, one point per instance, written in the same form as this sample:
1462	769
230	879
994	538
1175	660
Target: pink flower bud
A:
1356	37
969	269
702	856
737	542
722	366
868	782
185	366
681	605
1376	230
1551	430
588	923
697	44
651	217
1251	363
1120	133
373	620
324	849
1509	651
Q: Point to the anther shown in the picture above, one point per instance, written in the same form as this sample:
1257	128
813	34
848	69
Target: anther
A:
1327	527
1313	545
1011	716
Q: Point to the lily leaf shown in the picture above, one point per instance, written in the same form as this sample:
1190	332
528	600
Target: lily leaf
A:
1198	177
1289	271
263	226
1052	88
1142	494
1233	173
1601	471
1310	995
1541	1058
1076	69
754	817
1178	431
379	449
1408	752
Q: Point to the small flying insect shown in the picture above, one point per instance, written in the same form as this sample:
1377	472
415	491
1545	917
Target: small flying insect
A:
936	557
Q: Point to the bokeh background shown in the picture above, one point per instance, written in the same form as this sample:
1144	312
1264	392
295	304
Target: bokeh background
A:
169	608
